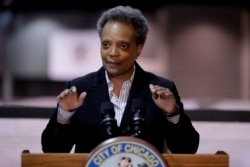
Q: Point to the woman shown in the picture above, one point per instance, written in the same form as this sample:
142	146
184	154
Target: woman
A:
77	119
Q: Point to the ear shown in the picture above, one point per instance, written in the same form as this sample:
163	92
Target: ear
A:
139	49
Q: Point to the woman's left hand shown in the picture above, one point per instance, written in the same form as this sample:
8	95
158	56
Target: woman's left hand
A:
163	98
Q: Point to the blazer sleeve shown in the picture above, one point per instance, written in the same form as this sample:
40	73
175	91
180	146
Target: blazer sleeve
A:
182	137
57	137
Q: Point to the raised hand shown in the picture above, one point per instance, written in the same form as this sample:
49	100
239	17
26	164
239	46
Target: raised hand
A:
163	98
68	99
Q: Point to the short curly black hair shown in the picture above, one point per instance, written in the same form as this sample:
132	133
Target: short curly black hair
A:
125	14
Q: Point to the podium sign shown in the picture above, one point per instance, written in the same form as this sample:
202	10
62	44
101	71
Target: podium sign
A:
115	152
125	151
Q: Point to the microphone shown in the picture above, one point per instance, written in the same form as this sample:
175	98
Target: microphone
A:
108	119
138	111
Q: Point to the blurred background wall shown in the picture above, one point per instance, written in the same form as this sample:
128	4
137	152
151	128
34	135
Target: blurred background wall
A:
203	47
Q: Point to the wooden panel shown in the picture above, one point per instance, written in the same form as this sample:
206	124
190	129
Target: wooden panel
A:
77	160
198	160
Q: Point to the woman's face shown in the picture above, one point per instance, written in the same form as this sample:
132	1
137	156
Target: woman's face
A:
119	49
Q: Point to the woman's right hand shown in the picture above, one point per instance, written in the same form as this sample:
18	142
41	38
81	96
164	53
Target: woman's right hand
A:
68	99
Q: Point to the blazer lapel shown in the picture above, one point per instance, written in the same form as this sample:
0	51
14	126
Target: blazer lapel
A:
138	90
99	90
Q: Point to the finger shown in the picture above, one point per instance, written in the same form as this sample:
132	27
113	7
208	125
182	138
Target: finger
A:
59	98
153	91
73	89
169	91
158	91
82	97
164	93
157	87
73	92
66	92
63	94
155	95
162	90
161	94
151	87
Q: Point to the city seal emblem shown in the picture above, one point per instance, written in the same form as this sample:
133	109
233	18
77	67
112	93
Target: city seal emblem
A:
125	152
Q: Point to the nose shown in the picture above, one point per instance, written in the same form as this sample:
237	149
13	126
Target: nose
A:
113	51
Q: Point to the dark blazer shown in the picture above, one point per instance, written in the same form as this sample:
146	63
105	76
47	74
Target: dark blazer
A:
86	132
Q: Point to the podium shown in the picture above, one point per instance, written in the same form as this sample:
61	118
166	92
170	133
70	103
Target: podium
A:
219	159
109	152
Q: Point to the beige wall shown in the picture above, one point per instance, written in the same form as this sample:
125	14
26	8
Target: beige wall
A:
204	49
